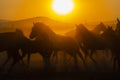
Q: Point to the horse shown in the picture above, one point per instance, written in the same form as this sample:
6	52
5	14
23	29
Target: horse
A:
57	42
89	42
117	32
11	43
113	40
36	46
16	42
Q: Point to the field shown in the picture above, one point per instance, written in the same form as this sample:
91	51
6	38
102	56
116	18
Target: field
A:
63	70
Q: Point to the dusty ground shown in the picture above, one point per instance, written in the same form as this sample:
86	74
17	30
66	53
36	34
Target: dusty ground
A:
63	70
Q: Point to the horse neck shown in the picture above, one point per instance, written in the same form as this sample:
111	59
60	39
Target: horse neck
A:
47	35
54	37
89	37
97	30
88	34
50	34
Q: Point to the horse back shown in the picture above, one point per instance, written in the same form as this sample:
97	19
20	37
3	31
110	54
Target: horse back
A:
6	40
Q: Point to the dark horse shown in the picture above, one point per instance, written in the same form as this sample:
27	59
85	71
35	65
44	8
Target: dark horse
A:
117	32
89	42
36	46
11	42
113	40
42	32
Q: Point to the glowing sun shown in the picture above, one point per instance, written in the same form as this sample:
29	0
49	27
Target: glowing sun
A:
63	7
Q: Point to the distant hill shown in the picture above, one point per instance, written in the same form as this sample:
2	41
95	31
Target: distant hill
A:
26	25
3	21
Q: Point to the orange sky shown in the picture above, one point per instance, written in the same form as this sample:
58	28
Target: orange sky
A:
85	10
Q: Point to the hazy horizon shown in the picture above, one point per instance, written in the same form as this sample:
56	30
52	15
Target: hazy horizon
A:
84	11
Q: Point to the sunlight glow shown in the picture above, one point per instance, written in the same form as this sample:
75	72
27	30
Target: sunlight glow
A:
63	7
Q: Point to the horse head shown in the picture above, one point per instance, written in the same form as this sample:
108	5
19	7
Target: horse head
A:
82	33
82	30
80	27
21	38
40	30
19	32
109	34
99	29
36	29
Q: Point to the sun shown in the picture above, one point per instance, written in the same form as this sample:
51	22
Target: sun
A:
63	7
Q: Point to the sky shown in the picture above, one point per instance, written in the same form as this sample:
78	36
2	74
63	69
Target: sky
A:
85	10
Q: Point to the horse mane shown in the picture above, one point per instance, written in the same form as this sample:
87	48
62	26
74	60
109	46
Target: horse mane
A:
86	34
45	28
82	29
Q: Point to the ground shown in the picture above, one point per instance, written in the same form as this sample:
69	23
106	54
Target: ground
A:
62	70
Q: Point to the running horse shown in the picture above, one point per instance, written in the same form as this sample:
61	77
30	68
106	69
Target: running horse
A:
11	42
37	46
89	42
113	41
40	31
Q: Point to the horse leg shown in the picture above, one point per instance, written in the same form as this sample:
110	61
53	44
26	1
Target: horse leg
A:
86	53
80	55
12	65
8	58
52	58
75	61
64	58
23	55
116	62
21	60
6	61
16	58
28	60
46	62
56	56
91	56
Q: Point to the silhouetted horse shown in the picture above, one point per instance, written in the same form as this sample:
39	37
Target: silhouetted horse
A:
41	31
37	46
113	42
88	41
11	42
